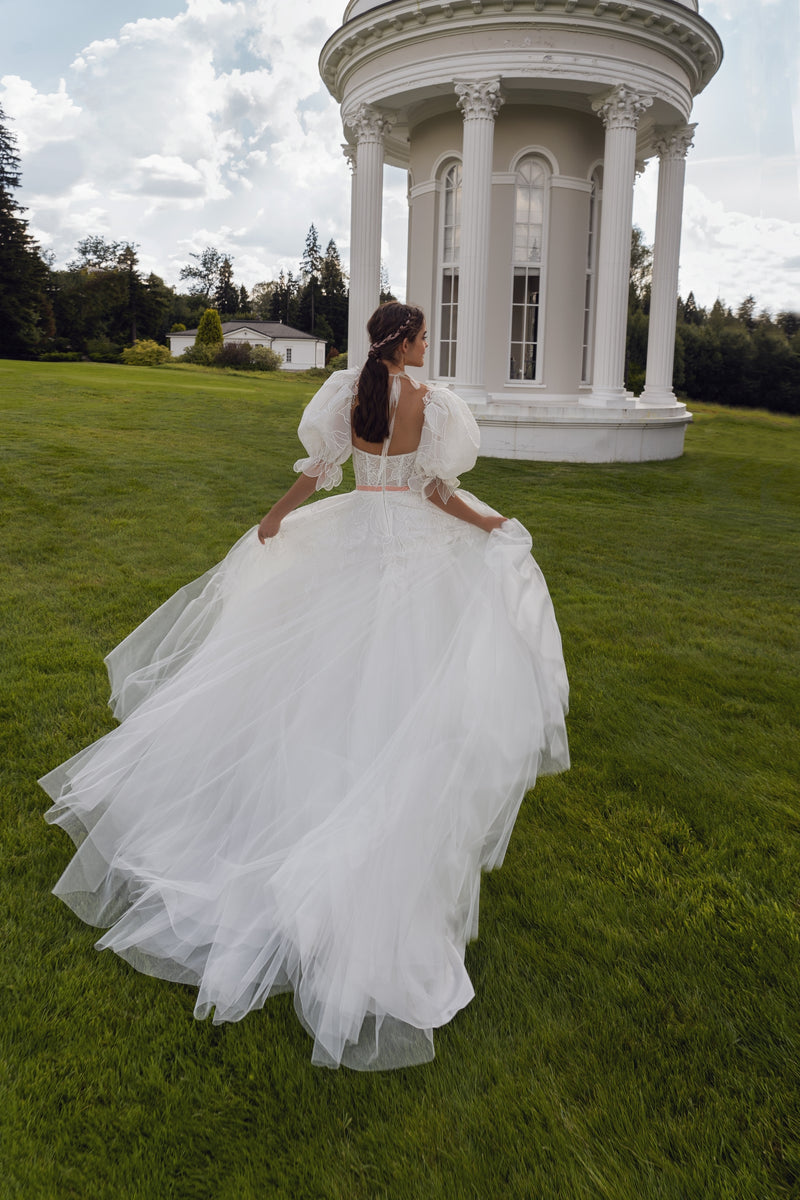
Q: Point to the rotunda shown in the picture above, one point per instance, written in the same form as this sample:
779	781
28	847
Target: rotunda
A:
522	124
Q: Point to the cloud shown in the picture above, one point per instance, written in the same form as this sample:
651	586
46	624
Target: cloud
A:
212	127
205	117
727	253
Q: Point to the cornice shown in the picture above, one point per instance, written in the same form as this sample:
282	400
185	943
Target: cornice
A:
665	25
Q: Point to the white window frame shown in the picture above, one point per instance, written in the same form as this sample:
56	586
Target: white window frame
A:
550	169
443	264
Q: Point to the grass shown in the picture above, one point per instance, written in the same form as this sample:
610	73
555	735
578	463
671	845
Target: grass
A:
634	1034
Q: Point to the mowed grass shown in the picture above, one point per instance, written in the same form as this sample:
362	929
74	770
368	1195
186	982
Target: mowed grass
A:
634	1033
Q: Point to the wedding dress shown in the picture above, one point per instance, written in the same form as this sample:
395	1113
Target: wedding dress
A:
323	742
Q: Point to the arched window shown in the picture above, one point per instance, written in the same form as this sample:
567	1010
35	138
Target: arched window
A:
591	276
450	242
533	174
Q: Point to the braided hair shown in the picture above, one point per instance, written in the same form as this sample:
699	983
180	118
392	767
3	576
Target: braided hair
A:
388	326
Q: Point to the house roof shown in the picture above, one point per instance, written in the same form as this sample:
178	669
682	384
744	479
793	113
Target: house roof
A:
272	329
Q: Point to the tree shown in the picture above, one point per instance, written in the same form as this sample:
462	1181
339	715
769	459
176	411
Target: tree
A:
323	330
284	299
103	297
209	331
25	310
386	291
746	312
226	295
261	299
333	284
693	315
310	272
641	272
204	273
244	300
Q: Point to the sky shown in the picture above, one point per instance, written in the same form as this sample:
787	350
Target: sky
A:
177	124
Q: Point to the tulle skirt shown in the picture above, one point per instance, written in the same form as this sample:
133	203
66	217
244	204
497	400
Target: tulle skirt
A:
323	742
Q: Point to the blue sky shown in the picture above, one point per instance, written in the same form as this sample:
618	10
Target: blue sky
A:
181	123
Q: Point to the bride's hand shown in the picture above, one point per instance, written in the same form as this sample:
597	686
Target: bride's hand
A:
491	523
270	524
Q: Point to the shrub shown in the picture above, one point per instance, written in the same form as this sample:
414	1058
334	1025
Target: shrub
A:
209	331
264	358
233	354
60	356
339	363
102	349
200	355
146	353
178	327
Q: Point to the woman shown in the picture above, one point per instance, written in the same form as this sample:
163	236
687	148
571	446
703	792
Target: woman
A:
327	737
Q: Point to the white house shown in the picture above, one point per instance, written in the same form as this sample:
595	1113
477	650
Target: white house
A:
299	351
522	124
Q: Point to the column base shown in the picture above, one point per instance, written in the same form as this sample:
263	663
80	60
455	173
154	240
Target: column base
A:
654	396
605	397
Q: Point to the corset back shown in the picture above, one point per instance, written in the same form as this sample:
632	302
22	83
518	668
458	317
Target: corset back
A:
369	469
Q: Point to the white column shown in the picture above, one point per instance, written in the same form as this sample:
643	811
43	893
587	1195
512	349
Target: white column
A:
370	127
480	102
672	147
619	111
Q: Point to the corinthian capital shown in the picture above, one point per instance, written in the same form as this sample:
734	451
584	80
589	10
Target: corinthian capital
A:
351	154
621	108
479	98
368	124
674	143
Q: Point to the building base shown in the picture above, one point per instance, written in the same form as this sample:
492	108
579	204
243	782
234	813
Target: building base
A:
569	431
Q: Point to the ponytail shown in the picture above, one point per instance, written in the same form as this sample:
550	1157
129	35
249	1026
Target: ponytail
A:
388	326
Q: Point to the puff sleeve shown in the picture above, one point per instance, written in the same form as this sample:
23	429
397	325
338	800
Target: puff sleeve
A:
449	444
324	430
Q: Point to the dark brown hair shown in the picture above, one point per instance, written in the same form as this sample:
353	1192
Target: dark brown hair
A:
388	326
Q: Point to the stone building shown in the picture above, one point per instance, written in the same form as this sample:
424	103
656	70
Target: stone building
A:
522	124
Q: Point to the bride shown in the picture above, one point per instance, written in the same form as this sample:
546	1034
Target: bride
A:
327	737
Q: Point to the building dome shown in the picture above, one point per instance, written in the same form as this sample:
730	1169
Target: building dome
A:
521	124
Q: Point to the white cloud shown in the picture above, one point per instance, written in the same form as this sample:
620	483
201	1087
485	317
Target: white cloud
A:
212	127
726	253
183	128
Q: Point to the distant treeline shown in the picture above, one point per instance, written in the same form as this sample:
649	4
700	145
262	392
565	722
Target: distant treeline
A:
102	302
739	357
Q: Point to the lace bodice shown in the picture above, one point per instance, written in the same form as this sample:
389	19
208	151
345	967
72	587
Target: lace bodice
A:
448	443
369	468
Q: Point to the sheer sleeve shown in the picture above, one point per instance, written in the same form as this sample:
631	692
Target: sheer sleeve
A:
448	446
324	430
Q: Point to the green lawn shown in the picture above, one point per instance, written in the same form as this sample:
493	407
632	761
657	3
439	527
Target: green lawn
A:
635	1033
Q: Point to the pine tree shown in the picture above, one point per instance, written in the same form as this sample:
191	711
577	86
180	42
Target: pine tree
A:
333	285
310	271
226	295
24	307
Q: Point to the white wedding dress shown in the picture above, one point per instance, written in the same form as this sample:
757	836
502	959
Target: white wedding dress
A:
323	742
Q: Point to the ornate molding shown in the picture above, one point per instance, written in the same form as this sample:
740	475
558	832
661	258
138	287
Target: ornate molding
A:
674	143
479	99
351	154
663	26
622	107
368	123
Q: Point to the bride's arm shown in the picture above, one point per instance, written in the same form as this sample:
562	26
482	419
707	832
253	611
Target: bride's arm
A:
303	487
457	507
